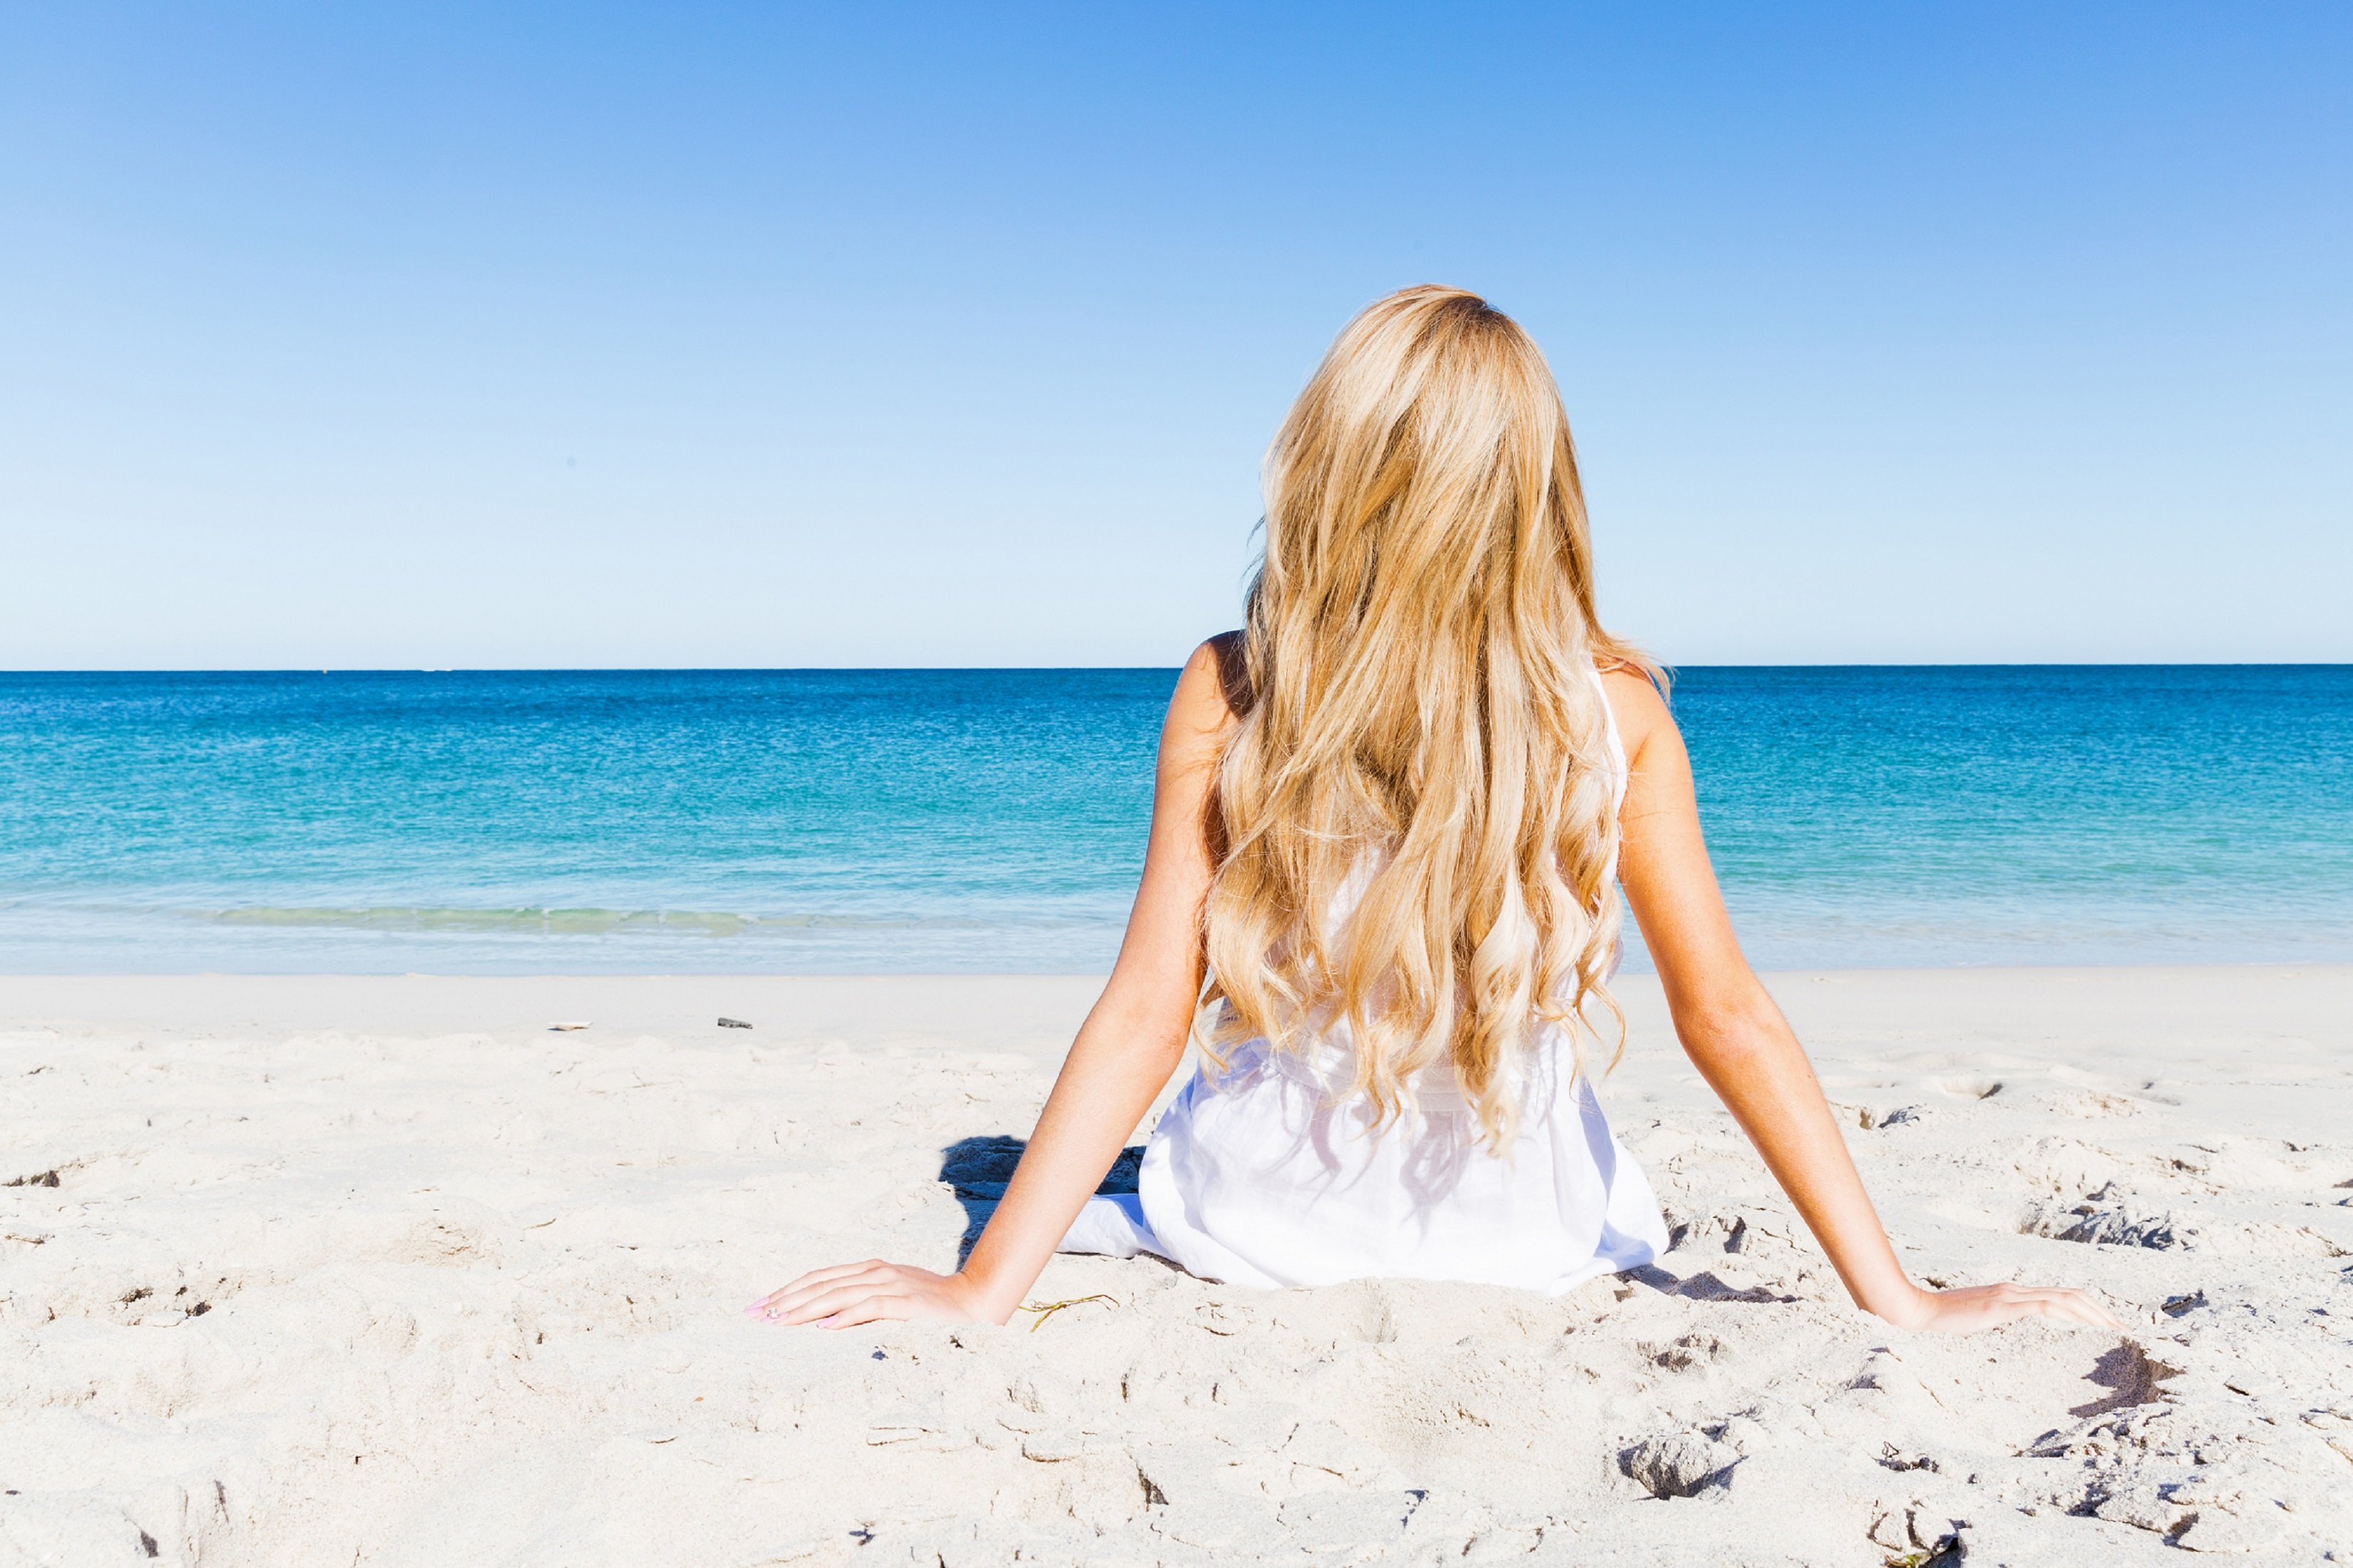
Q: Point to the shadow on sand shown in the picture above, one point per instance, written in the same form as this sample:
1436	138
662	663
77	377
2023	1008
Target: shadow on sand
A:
1703	1287
978	1168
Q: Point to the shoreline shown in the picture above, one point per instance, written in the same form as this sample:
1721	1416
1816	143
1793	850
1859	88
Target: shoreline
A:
380	1267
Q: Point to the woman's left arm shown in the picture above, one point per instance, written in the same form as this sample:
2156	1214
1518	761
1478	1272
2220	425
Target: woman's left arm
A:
1750	1057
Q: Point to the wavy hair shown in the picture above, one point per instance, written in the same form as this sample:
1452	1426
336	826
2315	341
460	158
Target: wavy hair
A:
1414	821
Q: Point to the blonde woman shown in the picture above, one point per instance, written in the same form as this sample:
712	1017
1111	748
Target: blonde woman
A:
1391	817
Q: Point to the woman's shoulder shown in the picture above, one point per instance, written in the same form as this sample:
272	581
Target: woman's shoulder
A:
1212	692
1223	659
1636	701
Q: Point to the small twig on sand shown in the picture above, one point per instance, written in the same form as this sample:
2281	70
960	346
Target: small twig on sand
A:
1049	1309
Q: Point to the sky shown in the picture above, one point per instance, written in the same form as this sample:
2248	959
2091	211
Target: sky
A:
728	335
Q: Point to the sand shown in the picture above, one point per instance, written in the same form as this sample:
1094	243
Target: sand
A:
382	1270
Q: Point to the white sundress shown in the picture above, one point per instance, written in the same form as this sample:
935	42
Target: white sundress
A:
1271	1173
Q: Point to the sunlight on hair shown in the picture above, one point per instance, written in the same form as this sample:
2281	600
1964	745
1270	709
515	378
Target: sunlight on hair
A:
1415	822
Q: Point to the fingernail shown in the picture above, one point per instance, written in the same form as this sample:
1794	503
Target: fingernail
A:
825	1323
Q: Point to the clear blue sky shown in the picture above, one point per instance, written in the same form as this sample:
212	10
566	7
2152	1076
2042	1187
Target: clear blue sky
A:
678	334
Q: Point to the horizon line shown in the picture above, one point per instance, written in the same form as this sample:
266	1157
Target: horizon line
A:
1074	669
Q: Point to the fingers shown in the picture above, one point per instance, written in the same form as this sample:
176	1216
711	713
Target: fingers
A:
2063	1306
2051	1301
810	1305
852	1305
1989	1306
778	1302
830	1303
2074	1305
819	1276
845	1295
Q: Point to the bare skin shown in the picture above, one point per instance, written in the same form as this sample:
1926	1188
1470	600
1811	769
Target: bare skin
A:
1135	1039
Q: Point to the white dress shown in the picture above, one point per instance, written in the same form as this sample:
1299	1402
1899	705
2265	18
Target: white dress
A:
1266	1175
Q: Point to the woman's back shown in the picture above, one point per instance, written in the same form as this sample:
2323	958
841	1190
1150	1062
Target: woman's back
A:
1272	1167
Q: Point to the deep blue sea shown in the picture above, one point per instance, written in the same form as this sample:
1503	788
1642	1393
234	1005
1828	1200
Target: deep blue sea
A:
923	821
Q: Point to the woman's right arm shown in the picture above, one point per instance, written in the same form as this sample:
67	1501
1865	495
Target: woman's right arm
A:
1748	1052
1131	1043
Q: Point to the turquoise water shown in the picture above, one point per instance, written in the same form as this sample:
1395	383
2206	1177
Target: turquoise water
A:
915	821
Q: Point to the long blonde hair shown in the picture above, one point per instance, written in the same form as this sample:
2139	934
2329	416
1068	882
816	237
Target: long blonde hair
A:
1422	711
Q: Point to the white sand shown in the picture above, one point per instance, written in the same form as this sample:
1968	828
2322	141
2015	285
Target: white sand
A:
382	1270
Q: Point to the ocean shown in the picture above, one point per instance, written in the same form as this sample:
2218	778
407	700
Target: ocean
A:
925	821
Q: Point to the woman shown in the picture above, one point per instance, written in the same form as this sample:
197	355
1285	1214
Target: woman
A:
1387	820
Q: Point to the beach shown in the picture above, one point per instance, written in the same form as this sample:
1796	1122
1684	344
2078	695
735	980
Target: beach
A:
387	1269
621	619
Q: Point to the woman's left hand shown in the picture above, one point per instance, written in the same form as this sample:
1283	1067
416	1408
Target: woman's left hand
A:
851	1293
1971	1308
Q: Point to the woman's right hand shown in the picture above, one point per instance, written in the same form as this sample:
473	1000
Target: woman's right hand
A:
1973	1307
849	1294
